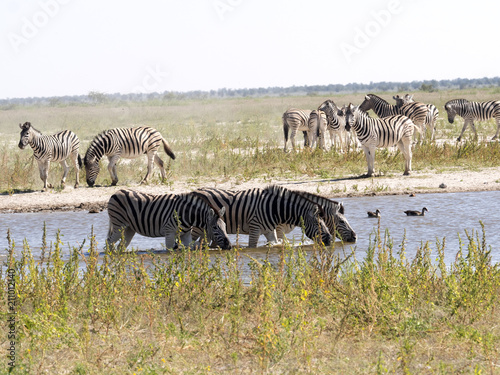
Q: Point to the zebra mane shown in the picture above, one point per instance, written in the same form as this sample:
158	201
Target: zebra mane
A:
204	199
319	198
92	146
281	190
27	124
456	102
375	99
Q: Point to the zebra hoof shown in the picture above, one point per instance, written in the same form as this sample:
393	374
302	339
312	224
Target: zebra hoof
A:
113	183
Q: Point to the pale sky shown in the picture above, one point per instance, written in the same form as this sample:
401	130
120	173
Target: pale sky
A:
71	47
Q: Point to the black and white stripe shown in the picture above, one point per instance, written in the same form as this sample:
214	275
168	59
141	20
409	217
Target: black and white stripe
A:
260	211
295	120
473	111
339	137
431	116
415	111
132	212
48	148
383	132
125	143
317	126
333	217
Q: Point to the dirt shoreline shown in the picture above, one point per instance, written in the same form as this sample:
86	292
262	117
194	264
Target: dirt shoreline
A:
95	199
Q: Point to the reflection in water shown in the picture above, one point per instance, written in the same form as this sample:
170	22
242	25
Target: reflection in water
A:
449	215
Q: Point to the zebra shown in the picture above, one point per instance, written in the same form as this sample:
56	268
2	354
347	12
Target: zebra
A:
384	132
259	211
127	143
317	125
150	215
432	112
46	148
417	112
334	218
295	120
336	123
470	111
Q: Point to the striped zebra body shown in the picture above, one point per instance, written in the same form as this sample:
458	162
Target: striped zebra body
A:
317	125
473	111
295	120
52	148
336	124
383	132
415	111
127	143
334	218
430	117
150	215
261	211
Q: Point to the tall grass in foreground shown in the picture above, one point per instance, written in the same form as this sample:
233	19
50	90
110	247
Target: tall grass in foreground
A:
315	312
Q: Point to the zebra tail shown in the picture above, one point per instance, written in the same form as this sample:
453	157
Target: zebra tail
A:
167	149
285	128
79	161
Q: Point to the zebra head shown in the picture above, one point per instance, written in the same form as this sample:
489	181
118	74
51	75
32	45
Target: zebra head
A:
91	168
338	225
333	113
314	225
26	135
350	116
452	106
399	101
216	228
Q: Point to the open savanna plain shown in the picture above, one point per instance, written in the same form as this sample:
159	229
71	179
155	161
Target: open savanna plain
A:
312	312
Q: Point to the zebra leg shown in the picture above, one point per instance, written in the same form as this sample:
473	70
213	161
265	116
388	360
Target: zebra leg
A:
160	165
43	168
187	239
498	128
370	159
151	158
466	122
272	238
65	167
253	236
404	146
112	168
115	234
74	157
292	138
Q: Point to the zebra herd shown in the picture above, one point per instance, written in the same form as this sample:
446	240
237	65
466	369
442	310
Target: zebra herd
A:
212	214
394	126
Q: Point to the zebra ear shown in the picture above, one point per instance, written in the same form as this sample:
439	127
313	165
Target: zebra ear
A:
222	211
395	97
367	97
341	208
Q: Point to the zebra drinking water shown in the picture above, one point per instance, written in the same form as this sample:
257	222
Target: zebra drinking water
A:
334	218
48	148
384	132
150	215
473	111
127	143
295	120
431	116
260	211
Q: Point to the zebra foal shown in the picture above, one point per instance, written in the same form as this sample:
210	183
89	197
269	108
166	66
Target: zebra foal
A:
47	148
150	215
384	132
473	111
260	211
127	143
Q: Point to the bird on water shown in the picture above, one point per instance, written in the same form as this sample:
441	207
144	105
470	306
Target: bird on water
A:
416	213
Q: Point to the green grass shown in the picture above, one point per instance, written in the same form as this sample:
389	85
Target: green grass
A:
129	313
240	139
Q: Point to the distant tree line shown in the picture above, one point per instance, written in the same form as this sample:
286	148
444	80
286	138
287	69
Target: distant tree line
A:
96	97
